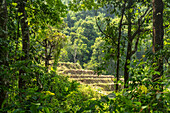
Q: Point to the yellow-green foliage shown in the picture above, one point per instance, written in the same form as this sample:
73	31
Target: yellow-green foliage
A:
77	99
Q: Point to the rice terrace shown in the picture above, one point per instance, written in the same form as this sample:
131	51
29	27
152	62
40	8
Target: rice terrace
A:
87	77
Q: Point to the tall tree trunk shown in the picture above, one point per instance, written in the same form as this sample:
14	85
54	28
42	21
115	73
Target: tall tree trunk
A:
129	48
3	48
118	47
25	42
127	63
158	34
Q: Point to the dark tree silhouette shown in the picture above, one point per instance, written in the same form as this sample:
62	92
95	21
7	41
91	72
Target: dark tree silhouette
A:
158	34
25	41
3	48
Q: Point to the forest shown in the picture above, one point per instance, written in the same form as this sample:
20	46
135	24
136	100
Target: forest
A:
84	56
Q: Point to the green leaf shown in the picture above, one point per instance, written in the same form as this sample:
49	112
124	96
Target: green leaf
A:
154	104
143	107
46	110
14	4
138	103
37	104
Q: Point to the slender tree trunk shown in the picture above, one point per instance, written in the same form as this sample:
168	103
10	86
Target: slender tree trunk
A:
118	55
118	47
3	48
158	34
25	30
127	63
25	42
129	48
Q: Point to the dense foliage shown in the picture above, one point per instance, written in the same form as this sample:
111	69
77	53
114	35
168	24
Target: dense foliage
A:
120	38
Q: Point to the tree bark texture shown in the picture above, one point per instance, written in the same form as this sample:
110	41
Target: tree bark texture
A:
158	34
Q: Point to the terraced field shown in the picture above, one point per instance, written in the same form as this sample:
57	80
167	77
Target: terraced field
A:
102	83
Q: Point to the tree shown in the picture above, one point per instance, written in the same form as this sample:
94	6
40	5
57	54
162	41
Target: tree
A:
118	46
81	36
132	35
3	49
50	12
158	33
25	42
134	21
15	50
52	40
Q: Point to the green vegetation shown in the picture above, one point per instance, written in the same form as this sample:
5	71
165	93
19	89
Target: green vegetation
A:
78	56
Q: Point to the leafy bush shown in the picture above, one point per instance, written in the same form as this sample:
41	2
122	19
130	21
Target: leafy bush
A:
143	95
57	94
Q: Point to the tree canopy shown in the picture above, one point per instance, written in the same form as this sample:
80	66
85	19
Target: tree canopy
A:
127	40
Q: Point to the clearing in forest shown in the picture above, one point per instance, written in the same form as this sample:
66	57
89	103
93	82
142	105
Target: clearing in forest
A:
102	83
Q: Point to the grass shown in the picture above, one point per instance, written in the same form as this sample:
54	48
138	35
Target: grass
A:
103	84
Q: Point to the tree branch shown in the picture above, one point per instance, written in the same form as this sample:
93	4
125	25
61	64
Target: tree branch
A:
103	31
139	30
145	13
118	45
137	40
140	23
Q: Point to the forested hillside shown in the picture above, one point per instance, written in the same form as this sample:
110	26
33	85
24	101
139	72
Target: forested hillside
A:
81	56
